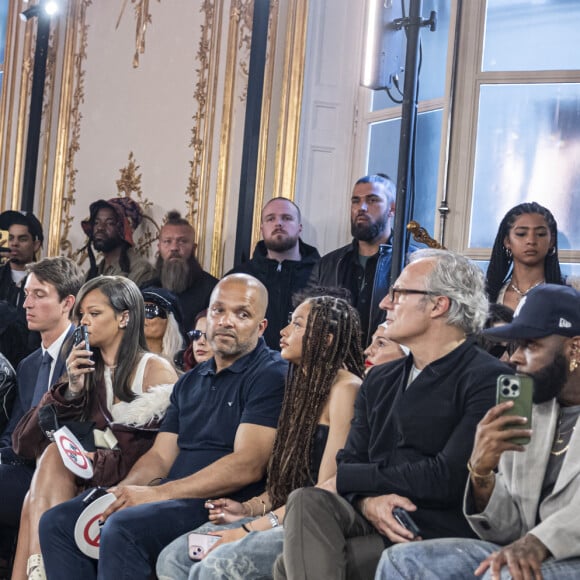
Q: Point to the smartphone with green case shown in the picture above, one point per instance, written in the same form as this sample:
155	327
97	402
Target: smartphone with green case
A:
519	389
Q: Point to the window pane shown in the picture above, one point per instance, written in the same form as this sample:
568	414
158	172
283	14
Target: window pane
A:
3	22
434	58
384	153
525	35
527	149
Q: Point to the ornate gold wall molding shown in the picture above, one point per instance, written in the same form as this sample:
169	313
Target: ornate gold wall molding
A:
70	116
265	120
207	55
23	99
129	185
7	100
237	8
291	100
142	19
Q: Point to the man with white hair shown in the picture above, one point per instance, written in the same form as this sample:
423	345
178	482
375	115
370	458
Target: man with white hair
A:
521	500
412	431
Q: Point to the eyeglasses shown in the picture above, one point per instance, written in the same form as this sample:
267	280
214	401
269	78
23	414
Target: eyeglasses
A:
392	294
195	335
154	311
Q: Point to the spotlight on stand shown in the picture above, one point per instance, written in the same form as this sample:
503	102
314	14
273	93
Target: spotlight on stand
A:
385	44
30	13
51	7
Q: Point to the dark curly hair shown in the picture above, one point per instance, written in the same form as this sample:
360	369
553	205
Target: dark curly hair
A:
307	389
501	265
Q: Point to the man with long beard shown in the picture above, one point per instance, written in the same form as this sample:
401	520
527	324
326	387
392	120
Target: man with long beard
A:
364	266
178	269
281	261
522	501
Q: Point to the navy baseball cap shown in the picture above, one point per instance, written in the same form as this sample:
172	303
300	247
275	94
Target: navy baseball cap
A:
547	309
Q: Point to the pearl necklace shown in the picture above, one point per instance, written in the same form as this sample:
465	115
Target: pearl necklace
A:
523	293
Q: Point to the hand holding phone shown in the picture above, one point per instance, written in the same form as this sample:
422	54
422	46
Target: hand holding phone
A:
402	516
520	390
199	544
79	362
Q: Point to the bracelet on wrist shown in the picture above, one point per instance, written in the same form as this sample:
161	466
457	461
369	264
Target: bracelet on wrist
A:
479	475
248	508
274	521
246	529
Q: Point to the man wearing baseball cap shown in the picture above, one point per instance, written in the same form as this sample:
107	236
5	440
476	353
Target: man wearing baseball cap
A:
522	501
110	230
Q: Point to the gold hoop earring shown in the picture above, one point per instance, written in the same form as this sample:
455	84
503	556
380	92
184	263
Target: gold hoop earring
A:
574	364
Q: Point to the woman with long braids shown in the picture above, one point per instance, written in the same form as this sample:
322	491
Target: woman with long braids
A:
524	254
322	344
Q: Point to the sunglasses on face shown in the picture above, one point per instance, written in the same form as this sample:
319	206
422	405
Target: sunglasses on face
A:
498	350
195	335
154	311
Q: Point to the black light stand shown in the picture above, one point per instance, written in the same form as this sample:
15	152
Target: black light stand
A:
404	201
35	116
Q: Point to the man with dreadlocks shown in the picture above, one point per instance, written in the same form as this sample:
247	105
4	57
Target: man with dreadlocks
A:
412	432
322	345
110	230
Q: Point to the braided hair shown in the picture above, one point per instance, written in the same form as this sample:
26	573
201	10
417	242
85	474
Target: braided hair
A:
501	263
308	386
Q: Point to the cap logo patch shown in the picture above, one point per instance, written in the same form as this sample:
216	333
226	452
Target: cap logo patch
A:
564	323
519	306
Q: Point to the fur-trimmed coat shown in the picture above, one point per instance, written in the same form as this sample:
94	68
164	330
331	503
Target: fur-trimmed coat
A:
134	424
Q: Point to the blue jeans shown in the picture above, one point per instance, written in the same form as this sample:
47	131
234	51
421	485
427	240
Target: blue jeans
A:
250	558
131	539
455	559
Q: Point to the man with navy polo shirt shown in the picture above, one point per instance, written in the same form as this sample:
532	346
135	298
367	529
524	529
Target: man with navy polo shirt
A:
215	440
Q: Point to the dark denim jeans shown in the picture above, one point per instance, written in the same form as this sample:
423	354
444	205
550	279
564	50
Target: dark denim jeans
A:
131	539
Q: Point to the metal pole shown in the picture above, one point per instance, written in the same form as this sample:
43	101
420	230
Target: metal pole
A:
35	117
404	201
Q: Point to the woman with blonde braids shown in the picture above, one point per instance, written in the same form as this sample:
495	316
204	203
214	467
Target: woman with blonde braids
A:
322	344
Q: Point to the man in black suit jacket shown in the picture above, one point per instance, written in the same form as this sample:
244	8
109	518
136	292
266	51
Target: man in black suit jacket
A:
50	291
412	431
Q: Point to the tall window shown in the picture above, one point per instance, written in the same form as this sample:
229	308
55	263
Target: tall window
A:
3	22
516	130
380	117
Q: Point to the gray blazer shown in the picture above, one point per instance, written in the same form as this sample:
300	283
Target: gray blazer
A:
513	506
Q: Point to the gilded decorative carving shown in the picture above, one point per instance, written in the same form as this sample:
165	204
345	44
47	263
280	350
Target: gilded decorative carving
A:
244	11
291	100
223	175
73	126
265	120
142	19
203	119
129	185
421	235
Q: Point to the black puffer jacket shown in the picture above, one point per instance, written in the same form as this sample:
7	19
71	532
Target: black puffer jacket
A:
283	280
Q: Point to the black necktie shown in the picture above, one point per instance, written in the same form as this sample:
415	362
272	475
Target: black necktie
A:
42	378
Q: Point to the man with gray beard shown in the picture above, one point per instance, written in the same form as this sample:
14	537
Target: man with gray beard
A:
178	269
364	266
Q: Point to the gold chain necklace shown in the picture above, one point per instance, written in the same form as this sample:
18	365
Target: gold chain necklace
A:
524	292
559	440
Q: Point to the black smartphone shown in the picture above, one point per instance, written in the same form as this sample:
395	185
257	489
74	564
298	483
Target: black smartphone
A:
520	390
82	333
403	517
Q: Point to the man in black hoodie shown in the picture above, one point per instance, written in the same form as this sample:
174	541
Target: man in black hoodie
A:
281	261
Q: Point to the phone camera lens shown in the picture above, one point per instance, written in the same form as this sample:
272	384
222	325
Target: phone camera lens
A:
506	392
506	382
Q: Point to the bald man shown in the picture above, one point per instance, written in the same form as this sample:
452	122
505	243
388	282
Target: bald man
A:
215	441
